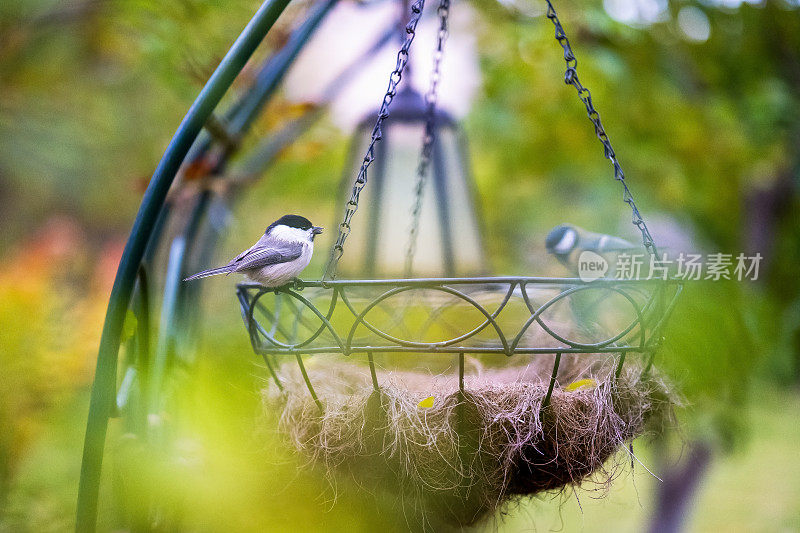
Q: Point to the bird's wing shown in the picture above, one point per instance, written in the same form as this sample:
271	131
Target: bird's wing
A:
267	252
261	243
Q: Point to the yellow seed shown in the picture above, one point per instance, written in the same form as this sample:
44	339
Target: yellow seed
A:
427	403
575	385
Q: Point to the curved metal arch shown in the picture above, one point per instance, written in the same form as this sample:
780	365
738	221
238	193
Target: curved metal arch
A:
435	313
103	389
638	321
490	319
324	319
536	316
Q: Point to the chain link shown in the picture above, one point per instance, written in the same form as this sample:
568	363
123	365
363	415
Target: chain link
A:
361	179
571	78
429	137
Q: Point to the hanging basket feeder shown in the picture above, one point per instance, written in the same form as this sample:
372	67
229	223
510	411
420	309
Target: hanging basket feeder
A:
461	392
511	398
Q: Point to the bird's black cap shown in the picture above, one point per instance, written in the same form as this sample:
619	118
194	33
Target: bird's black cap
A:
293	221
556	235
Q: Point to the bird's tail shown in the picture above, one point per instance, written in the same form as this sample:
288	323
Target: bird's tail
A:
210	272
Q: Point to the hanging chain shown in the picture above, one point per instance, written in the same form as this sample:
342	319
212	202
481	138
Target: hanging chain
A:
571	78
361	179
429	137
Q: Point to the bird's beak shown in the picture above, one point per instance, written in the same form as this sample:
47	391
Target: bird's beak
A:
316	230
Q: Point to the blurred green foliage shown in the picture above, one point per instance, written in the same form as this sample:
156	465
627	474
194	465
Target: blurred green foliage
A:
696	126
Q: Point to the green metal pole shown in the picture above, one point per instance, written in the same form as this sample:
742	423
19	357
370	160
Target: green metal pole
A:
103	390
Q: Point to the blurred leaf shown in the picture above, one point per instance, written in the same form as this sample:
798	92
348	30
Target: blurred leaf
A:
129	326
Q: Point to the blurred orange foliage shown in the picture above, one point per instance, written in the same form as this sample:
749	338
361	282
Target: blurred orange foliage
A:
52	300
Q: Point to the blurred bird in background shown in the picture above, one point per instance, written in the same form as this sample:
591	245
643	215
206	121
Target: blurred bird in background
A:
591	256
567	242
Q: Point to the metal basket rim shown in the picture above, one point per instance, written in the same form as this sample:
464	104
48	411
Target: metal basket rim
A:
488	280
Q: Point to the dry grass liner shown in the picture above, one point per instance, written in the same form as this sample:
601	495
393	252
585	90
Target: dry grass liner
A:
472	452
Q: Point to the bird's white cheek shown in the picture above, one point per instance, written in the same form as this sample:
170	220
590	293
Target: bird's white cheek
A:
308	250
285	233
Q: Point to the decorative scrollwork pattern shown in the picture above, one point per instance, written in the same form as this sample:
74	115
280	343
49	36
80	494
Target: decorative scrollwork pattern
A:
507	315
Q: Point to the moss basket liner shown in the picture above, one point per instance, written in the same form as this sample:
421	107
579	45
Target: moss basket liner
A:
475	450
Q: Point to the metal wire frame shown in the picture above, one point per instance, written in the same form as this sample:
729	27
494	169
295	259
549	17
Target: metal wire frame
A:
641	335
651	301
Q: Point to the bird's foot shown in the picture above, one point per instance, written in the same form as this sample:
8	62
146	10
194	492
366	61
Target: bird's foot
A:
295	284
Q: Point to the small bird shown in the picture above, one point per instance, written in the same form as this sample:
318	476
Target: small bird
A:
566	242
279	256
577	248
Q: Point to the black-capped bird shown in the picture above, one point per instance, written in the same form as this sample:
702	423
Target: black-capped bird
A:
279	256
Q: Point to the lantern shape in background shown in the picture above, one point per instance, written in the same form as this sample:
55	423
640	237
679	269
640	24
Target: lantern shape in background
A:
449	239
